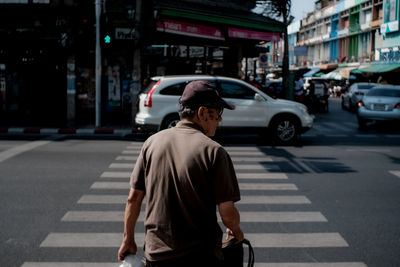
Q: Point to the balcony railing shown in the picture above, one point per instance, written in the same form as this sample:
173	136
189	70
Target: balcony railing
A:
354	28
343	32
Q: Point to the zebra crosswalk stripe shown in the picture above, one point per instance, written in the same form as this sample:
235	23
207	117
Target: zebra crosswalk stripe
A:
110	185
127	158
129	152
264	175
312	264
121	199
267	186
259	264
121	166
70	264
243	186
115	175
245	216
258	240
251	159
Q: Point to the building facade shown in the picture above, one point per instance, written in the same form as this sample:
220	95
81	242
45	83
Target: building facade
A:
344	31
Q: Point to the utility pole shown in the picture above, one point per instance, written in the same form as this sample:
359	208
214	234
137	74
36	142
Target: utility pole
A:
98	64
137	57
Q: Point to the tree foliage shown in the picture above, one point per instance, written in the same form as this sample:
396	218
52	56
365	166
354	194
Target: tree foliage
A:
278	8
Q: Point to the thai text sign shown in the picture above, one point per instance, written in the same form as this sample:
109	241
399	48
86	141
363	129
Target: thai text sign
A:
246	34
189	29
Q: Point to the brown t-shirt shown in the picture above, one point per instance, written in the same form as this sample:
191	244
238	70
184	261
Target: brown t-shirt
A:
184	175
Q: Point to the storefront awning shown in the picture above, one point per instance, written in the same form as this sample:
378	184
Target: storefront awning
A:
340	73
243	19
311	72
380	68
328	66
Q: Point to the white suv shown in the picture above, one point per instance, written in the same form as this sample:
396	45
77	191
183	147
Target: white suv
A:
158	107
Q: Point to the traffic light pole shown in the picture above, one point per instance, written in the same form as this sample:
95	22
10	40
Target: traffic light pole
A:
98	64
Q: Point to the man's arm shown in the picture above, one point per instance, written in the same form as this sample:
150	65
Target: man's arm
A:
231	219
132	211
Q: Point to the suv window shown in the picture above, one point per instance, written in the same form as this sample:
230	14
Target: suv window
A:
175	89
148	88
234	90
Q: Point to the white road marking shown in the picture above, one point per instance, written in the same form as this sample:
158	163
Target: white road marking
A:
245	216
70	264
137	147
121	199
258	240
366	135
12	152
392	135
241	148
255	167
265	175
126	158
110	185
336	126
135	152
258	264
252	159
267	186
121	166
115	175
312	264
396	173
368	150
103	199
246	153
274	200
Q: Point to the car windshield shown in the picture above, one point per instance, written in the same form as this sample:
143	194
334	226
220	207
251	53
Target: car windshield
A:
366	86
384	92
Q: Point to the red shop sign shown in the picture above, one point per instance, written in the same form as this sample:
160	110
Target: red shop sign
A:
246	34
189	29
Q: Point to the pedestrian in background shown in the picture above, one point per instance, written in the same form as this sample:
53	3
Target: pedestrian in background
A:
299	89
185	176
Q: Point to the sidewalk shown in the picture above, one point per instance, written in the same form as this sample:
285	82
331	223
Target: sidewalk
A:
68	131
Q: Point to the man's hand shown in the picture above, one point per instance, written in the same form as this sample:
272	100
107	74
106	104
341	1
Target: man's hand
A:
132	211
231	219
126	249
238	234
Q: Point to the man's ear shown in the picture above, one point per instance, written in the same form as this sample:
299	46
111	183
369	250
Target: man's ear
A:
201	113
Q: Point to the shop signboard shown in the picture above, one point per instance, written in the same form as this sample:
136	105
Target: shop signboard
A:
253	35
189	29
124	34
14	1
390	16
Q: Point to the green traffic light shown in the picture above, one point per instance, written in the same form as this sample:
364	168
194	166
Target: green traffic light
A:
107	39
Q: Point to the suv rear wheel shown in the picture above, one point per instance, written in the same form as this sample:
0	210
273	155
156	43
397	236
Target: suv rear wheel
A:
170	121
285	129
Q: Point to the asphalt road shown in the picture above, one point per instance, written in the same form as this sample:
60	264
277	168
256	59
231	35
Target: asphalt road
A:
332	198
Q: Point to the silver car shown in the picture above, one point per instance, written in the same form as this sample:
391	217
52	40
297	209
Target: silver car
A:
354	94
381	103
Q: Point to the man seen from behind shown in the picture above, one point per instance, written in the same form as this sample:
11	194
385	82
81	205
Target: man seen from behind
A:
185	177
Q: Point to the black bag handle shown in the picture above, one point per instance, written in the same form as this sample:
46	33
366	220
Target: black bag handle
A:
251	253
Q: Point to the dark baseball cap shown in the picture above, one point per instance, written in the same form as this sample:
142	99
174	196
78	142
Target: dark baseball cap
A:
203	93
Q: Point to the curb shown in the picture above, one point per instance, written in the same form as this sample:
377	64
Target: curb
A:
67	131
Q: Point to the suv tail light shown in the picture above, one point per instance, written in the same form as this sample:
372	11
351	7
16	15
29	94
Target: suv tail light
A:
148	99
361	104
